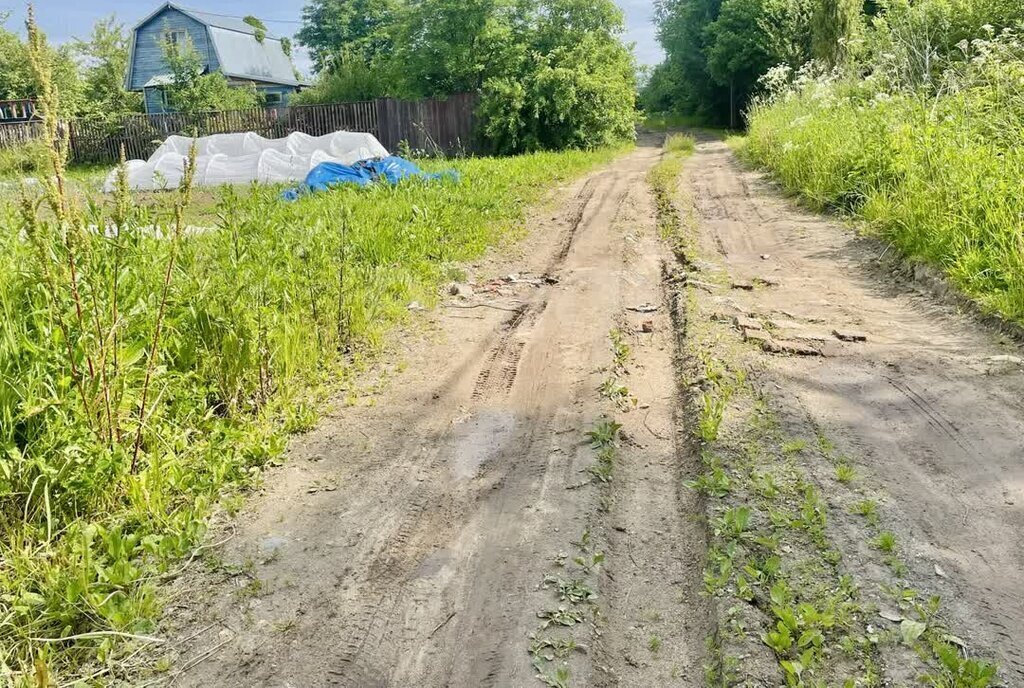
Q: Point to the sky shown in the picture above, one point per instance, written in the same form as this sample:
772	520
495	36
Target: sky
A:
66	19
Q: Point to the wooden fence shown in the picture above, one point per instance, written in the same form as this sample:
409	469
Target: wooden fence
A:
19	133
432	126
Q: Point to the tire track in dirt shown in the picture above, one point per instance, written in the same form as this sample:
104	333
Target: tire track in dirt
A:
422	566
496	378
932	414
928	409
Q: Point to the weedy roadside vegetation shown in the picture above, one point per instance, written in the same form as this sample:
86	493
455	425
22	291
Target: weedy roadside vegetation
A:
27	158
552	645
926	149
777	572
611	387
148	374
663	179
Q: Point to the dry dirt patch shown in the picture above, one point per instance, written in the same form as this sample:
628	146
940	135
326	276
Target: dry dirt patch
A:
464	529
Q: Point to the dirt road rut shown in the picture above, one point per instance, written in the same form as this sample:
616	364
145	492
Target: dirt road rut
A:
407	544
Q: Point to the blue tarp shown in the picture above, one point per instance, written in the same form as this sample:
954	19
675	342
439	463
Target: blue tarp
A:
389	170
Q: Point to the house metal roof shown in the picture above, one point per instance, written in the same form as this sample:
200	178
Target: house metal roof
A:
240	55
243	57
219	21
159	80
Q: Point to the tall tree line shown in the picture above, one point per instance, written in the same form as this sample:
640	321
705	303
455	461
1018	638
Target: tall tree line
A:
717	50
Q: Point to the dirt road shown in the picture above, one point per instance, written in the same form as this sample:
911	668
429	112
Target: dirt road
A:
407	543
461	530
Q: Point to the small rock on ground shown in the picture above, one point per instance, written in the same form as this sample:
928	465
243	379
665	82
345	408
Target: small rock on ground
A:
850	335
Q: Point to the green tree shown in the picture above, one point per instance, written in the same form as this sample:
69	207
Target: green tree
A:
350	78
444	46
658	91
18	81
738	51
787	26
717	50
834	24
103	60
193	90
682	31
550	73
355	27
573	82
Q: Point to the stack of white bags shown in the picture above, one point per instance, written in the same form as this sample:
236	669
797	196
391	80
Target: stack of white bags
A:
244	158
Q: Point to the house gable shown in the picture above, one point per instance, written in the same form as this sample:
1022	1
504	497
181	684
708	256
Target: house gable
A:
224	44
147	51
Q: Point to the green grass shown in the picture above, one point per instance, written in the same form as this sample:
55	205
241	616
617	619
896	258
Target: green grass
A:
22	160
845	473
680	143
938	178
29	161
666	121
885	542
663	180
262	317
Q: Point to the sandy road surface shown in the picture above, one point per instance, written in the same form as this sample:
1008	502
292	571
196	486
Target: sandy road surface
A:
930	408
406	544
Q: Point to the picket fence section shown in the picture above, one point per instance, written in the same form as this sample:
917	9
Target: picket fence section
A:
428	126
19	133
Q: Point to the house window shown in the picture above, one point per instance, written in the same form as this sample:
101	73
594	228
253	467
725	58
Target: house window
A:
273	98
165	103
175	37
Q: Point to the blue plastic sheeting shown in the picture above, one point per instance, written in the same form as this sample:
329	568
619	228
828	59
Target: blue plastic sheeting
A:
389	170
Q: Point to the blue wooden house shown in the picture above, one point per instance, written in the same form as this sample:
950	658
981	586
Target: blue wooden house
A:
226	45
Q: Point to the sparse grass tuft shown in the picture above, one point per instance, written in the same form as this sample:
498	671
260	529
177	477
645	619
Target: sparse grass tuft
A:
868	508
885	542
680	143
794	447
845	473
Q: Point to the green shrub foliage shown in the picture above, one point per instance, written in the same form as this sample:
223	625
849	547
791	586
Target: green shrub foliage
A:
552	74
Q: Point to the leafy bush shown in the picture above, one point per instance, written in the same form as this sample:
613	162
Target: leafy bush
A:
579	96
347	81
